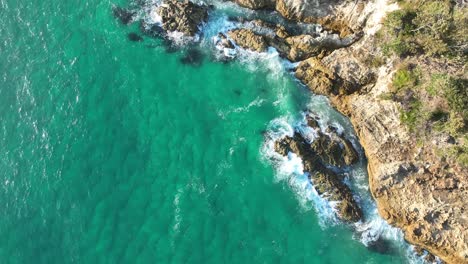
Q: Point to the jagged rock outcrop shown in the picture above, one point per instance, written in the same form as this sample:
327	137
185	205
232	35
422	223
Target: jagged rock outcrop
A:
224	41
324	151
183	17
247	39
257	35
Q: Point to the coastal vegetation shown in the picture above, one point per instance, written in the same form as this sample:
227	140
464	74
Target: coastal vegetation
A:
429	39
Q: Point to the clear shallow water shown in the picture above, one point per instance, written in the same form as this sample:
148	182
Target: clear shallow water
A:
112	151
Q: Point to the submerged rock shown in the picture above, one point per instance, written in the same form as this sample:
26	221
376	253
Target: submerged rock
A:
151	30
183	17
192	57
382	246
125	16
134	37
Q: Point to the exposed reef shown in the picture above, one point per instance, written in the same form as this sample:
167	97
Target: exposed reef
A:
318	155
184	17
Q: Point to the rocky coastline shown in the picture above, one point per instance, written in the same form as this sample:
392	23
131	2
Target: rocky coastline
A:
414	189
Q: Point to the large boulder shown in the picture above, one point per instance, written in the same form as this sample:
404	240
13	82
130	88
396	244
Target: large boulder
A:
248	39
183	17
125	16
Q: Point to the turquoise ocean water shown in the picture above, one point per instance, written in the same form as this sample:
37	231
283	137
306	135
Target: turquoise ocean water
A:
113	151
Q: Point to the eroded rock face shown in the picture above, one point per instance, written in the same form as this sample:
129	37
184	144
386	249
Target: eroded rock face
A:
340	77
316	76
183	17
315	157
247	39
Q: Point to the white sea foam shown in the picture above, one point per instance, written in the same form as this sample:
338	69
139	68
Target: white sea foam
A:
255	103
290	169
177	215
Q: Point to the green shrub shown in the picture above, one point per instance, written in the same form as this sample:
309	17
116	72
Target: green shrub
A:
433	21
432	27
456	94
405	78
411	117
456	124
437	84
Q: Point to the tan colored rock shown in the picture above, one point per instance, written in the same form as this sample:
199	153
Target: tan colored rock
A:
247	39
316	76
183	17
304	46
257	4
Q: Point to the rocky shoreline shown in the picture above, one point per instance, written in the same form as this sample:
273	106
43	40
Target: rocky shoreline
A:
414	189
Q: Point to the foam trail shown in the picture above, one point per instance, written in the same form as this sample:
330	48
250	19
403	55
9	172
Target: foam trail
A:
290	169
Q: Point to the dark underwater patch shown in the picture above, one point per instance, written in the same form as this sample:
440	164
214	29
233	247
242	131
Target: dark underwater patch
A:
153	31
169	46
193	57
382	246
124	15
134	37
